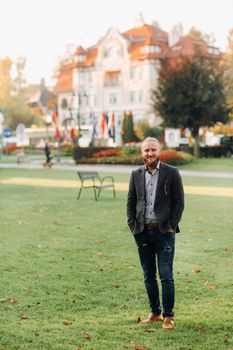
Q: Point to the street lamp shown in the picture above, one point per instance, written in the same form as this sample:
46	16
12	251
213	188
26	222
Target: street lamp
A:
77	107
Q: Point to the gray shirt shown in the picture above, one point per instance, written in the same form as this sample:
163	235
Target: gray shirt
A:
151	182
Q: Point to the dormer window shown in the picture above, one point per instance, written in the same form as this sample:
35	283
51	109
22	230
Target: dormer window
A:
111	52
150	49
80	58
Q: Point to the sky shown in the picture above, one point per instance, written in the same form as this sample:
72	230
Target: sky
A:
41	30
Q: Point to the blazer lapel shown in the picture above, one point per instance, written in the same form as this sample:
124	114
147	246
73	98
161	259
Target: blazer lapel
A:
141	182
162	174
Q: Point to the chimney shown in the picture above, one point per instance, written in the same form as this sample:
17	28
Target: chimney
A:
139	21
175	34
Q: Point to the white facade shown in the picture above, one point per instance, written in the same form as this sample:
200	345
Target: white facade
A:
113	84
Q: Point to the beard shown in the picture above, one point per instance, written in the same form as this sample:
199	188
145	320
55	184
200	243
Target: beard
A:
151	162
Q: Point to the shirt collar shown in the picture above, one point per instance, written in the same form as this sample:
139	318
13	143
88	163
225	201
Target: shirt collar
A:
157	166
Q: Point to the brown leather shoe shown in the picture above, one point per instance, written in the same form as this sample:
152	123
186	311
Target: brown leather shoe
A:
152	318
168	323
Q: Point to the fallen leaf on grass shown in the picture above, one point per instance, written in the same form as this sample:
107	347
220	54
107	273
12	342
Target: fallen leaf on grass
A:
201	329
225	251
122	306
197	270
226	340
212	286
116	286
87	335
138	347
9	300
23	317
67	323
151	330
99	241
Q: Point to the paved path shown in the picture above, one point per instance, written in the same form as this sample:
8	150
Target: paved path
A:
123	169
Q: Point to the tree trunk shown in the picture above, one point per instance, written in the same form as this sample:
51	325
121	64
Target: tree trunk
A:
196	146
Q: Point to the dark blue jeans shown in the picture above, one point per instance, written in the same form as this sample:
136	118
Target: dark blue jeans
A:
156	252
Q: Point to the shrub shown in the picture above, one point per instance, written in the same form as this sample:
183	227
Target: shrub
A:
107	153
173	157
80	153
10	149
130	150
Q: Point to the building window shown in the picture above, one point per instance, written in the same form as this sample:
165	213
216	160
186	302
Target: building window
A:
111	52
80	58
150	49
135	96
112	78
112	98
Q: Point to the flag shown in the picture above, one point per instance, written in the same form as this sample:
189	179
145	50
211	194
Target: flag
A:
104	126
111	127
72	129
57	131
94	131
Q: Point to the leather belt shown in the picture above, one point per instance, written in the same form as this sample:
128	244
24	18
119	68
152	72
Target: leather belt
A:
151	226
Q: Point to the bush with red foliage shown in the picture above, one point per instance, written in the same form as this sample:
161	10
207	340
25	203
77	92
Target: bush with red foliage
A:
115	152
167	155
10	148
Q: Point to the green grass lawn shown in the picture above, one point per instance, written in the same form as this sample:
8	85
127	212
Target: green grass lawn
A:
71	276
210	164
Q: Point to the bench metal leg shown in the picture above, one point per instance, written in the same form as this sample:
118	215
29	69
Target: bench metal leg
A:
79	193
95	193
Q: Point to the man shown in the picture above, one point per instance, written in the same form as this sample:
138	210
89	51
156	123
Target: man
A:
154	208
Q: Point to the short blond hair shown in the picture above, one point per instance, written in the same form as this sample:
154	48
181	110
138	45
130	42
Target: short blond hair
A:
150	139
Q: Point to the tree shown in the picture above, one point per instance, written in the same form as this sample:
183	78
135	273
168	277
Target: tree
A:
143	129
229	73
5	82
128	133
191	95
14	93
208	39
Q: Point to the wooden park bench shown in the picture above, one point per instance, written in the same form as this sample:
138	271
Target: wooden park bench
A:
96	182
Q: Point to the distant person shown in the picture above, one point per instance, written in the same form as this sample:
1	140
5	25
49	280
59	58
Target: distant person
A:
154	208
48	155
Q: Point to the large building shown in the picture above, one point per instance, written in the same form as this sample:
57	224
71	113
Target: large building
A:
118	74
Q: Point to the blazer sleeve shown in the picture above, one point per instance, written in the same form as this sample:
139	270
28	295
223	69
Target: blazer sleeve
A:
177	199
131	203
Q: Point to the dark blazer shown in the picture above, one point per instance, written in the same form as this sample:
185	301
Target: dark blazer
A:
169	200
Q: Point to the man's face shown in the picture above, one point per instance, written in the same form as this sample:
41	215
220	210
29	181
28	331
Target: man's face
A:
150	153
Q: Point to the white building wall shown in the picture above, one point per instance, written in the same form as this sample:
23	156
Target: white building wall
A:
136	77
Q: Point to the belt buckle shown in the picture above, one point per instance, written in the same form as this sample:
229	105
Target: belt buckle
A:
152	226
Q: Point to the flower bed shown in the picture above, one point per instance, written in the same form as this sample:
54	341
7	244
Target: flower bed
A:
171	157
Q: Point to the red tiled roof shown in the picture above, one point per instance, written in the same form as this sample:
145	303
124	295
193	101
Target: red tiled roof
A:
139	37
186	46
146	35
80	51
65	79
91	54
